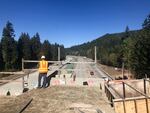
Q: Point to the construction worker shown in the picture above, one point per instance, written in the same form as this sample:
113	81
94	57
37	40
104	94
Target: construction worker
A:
43	69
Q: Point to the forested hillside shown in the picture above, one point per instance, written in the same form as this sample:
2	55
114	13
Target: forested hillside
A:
130	47
109	48
31	48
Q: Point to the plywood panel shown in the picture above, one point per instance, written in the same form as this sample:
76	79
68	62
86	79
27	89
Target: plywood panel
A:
141	106
119	107
149	105
130	106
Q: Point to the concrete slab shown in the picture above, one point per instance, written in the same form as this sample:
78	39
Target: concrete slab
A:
15	87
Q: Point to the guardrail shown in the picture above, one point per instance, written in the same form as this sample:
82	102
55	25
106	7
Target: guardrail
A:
108	75
59	62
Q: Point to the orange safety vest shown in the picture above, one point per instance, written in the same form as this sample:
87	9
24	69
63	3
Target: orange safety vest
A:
43	68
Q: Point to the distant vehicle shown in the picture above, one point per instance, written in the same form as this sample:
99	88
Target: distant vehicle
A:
91	73
117	69
105	78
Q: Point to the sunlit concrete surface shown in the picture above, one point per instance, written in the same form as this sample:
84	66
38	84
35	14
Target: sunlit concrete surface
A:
16	87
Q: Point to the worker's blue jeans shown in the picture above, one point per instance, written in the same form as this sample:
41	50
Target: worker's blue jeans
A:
44	75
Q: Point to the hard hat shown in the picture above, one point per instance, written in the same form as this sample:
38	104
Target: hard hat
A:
42	57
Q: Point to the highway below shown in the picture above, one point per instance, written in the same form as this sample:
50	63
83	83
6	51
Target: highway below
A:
84	67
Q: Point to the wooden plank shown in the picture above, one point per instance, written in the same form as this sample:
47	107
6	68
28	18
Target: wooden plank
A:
5	81
135	106
149	105
115	95
124	90
141	106
119	107
26	104
124	107
146	100
130	107
128	99
12	73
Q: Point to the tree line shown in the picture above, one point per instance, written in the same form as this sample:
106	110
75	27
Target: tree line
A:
130	47
30	48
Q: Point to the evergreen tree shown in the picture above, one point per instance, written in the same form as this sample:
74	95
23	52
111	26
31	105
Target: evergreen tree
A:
55	51
9	47
90	53
146	24
126	33
139	58
125	49
24	46
137	51
46	50
127	45
113	59
1	59
62	52
35	46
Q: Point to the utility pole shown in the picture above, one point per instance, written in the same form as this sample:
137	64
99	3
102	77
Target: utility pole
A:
95	55
58	53
59	60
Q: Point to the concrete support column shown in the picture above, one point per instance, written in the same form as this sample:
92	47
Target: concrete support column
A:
58	53
22	64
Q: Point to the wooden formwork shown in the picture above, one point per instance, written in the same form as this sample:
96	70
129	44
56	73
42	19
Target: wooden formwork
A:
132	105
122	103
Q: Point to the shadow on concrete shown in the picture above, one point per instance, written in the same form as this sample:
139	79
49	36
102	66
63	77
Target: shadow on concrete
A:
85	83
50	76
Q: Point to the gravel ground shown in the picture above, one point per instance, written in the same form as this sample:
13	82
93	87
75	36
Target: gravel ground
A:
59	99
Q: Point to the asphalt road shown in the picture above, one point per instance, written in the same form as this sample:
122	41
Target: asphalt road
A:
82	70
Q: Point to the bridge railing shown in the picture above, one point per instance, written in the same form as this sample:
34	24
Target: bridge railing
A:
52	62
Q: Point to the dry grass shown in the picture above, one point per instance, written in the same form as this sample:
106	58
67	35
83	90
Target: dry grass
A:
115	73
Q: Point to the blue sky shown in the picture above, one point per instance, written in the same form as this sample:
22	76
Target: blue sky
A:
72	22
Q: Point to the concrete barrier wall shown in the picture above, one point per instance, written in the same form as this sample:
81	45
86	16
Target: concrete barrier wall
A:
96	82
